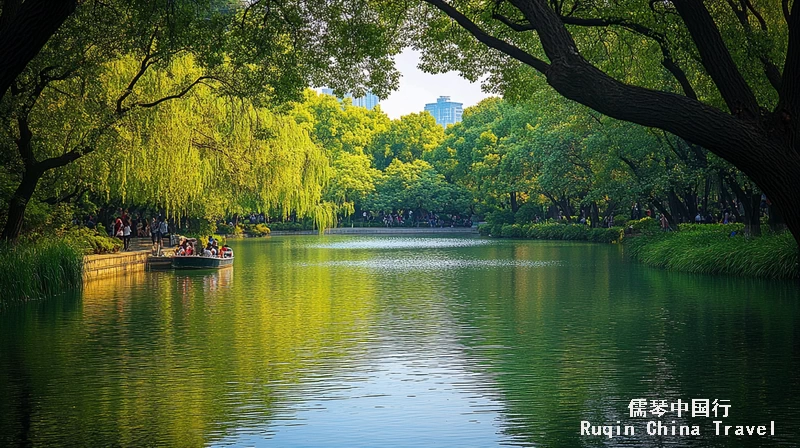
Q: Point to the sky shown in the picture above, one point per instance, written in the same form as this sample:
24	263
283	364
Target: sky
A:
418	88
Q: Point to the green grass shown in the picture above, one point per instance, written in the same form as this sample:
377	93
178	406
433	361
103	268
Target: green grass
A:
39	269
710	249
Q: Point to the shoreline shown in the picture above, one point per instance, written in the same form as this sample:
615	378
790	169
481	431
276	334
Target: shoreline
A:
373	231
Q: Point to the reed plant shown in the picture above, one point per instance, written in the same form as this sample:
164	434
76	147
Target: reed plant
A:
33	270
717	249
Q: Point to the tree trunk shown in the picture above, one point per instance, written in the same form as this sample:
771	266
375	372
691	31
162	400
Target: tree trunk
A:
595	215
752	215
775	219
514	205
690	202
18	203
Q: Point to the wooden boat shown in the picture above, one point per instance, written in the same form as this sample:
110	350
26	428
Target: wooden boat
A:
199	262
156	263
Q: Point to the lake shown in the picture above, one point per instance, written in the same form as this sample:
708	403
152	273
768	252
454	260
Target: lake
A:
348	341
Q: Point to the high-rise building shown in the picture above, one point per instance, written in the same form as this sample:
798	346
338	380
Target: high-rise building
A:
445	111
369	100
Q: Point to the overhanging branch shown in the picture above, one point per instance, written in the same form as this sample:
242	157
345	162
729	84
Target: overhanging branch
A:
487	39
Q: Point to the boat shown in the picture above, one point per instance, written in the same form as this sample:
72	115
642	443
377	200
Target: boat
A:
200	262
158	263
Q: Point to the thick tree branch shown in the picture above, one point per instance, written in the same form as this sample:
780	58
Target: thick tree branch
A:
516	26
771	71
575	78
180	94
668	62
717	59
63	159
78	191
491	41
148	60
24	141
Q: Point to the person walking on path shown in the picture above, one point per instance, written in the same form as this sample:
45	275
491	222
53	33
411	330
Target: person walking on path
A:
126	235
664	223
162	231
118	231
153	231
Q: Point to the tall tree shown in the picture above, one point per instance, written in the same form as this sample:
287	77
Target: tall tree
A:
748	114
260	51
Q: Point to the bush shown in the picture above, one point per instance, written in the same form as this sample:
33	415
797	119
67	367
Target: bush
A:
606	235
484	229
620	220
553	231
644	225
32	270
709	249
89	241
511	231
527	213
500	217
225	229
260	229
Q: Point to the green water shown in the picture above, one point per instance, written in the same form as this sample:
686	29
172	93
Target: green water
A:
398	341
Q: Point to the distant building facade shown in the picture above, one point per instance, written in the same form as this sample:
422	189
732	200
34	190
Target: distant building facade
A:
369	100
445	111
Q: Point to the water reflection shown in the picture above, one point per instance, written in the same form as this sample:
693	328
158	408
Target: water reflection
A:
347	341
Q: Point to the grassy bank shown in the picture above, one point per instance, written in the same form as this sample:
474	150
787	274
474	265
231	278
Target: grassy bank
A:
552	231
710	249
38	269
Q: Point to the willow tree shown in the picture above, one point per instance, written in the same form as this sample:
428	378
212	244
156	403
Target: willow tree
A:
724	75
244	50
208	155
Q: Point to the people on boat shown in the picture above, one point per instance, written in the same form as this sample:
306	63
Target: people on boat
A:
226	251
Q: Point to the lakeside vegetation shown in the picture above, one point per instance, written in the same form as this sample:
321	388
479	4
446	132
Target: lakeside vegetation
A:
714	250
38	269
698	248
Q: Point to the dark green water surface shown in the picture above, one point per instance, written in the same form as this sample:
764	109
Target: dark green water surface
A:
400	341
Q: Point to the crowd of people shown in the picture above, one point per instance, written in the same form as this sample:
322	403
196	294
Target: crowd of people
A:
188	247
125	226
409	219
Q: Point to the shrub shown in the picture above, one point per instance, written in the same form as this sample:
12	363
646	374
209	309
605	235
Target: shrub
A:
260	229
500	217
527	213
484	229
290	226
644	225
620	220
606	235
553	231
511	231
89	241
225	229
